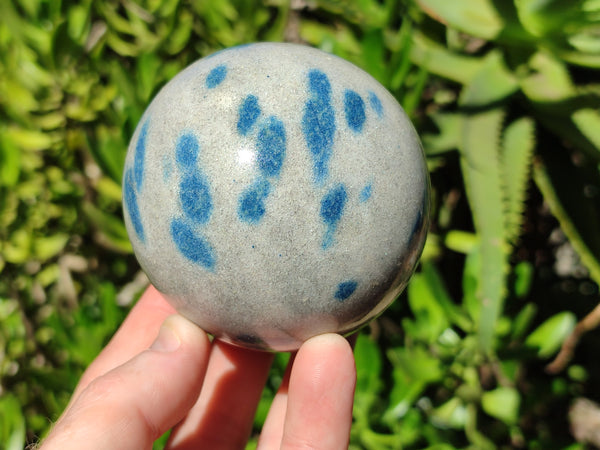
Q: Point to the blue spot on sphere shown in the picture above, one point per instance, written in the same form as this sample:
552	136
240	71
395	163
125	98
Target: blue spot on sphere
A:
216	76
249	112
186	151
140	153
318	126
131	205
251	207
366	193
195	197
376	104
354	108
270	145
318	123
345	290
194	247
332	205
318	84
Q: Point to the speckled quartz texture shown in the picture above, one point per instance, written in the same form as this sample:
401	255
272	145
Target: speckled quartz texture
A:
273	192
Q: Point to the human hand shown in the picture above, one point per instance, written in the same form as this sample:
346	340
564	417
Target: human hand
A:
142	385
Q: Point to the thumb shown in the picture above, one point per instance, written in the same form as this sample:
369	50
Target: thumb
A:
135	403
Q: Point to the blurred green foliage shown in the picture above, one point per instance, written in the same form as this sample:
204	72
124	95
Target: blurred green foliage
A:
506	97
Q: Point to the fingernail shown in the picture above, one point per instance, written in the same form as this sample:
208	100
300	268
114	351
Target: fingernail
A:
167	340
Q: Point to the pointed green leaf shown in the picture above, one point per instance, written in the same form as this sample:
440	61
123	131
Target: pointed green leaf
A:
10	161
549	336
368	375
502	403
12	427
523	277
180	35
109	149
588	123
46	247
31	139
399	44
112	231
18	249
591	60
430	319
368	364
373	55
78	20
110	189
17	99
461	241
532	16
523	320
148	73
586	42
452	414
412	98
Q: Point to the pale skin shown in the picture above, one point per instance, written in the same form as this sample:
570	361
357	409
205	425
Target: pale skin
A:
160	371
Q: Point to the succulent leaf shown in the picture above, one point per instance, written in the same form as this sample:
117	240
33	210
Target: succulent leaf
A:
567	111
480	150
492	83
476	17
441	61
548	79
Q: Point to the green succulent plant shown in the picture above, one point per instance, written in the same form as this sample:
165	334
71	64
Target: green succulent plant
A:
506	97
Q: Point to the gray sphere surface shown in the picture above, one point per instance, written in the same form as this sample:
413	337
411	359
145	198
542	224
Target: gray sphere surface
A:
273	192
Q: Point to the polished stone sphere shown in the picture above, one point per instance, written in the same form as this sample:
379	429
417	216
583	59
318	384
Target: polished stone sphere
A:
273	192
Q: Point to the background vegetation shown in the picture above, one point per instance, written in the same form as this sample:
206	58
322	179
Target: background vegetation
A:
506	97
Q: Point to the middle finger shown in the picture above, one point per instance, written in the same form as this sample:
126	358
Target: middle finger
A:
222	417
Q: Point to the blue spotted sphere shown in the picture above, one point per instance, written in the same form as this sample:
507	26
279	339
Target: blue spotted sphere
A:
273	192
